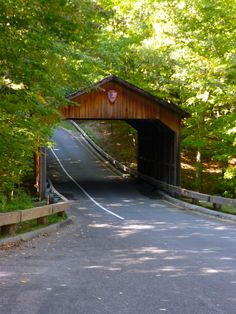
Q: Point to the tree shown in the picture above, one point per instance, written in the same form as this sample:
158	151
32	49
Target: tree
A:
179	50
41	53
183	51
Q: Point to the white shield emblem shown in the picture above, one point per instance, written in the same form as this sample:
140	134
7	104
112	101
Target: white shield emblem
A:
112	95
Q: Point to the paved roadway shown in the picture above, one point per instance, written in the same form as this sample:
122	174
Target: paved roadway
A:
150	258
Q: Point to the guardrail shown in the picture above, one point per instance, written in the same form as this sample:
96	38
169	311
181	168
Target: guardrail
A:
9	220
216	201
195	197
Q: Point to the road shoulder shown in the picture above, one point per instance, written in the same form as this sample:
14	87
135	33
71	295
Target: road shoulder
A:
33	234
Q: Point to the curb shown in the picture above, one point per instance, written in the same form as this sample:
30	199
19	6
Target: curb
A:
32	234
183	205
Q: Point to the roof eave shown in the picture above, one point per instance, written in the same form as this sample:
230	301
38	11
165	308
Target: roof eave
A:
170	105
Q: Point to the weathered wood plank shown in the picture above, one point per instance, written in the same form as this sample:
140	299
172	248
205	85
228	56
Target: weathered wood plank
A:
213	199
9	218
34	213
60	207
9	221
128	105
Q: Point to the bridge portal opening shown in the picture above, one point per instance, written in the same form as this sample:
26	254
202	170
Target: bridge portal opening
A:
156	121
147	146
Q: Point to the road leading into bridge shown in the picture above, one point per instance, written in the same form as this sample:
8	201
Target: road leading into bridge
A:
128	251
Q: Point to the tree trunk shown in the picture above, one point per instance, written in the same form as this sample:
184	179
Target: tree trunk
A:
37	169
199	168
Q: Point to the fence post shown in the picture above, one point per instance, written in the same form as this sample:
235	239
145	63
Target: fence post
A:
8	230
42	220
194	201
217	206
43	173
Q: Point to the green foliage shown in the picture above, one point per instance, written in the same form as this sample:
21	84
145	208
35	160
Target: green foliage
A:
183	51
230	182
40	59
21	201
179	50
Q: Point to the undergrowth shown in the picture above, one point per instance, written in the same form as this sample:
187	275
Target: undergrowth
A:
21	200
32	225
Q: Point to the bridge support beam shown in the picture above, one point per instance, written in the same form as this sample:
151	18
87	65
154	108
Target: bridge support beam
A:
177	159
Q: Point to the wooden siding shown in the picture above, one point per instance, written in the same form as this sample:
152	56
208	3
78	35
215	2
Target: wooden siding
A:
129	105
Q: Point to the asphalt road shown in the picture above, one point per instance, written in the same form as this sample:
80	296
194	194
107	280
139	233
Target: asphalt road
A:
128	252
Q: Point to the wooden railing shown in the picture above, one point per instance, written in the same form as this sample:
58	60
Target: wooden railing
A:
195	197
216	201
9	220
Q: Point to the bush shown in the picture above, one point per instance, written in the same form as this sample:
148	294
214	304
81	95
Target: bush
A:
21	200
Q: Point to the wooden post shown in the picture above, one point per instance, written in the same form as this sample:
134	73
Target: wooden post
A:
177	166
195	201
37	169
216	206
42	220
43	173
139	153
8	230
61	214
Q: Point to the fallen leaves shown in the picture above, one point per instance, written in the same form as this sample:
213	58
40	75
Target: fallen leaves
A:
12	245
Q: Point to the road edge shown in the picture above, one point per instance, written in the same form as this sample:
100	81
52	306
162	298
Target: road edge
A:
33	234
202	210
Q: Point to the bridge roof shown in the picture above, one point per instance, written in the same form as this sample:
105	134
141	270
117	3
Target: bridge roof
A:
112	78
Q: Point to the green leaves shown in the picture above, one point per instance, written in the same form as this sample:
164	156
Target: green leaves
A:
183	51
179	50
40	56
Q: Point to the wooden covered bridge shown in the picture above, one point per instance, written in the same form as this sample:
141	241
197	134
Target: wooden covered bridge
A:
157	122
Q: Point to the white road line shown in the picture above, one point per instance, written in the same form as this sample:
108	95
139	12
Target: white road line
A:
83	190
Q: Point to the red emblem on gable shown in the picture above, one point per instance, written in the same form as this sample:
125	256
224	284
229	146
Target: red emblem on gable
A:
112	95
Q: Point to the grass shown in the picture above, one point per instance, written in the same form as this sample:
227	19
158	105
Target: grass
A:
21	201
90	133
117	138
228	209
67	125
32	225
